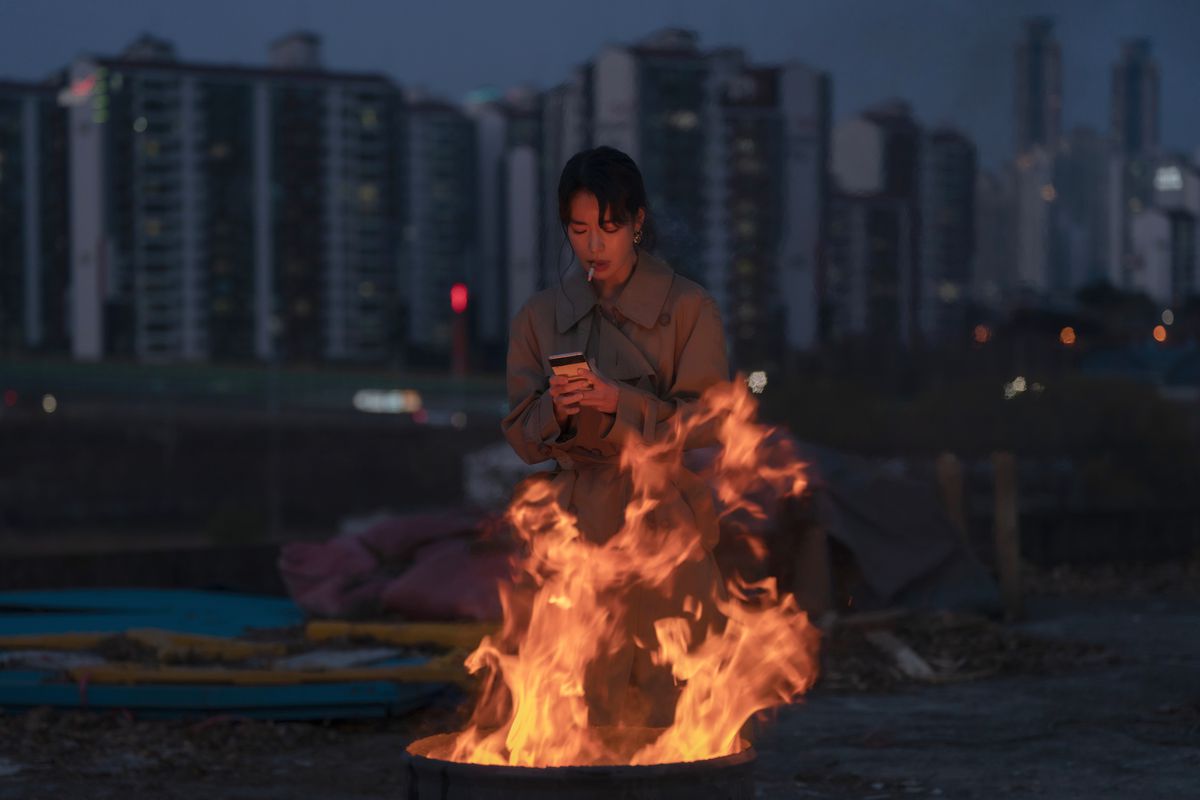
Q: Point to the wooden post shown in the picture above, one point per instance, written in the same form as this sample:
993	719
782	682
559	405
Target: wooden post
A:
810	572
813	585
1008	535
950	481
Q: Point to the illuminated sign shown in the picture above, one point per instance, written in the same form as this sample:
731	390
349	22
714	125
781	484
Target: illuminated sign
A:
1168	179
387	401
89	89
78	92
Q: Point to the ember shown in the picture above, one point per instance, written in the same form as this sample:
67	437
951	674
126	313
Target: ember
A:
743	649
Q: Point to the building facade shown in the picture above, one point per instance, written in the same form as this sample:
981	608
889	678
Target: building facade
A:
874	286
948	167
1038	81
233	213
34	247
1135	100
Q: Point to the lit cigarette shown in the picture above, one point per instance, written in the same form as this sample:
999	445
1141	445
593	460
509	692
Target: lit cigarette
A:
591	272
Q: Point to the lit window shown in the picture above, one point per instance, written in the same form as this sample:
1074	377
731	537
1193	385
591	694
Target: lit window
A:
368	196
1168	179
683	120
948	292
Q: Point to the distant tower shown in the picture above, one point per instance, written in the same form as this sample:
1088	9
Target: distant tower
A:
873	289
300	50
1135	99
1038	86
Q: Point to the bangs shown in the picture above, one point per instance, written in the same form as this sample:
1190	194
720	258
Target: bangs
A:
616	182
611	198
606	178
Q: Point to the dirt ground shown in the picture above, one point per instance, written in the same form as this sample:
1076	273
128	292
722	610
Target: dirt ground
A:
1096	694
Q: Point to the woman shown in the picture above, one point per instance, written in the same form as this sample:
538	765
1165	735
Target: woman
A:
654	342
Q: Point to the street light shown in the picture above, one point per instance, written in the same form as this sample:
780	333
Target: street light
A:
458	298
458	304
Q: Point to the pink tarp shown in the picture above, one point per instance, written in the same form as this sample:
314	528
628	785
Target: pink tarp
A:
446	565
433	566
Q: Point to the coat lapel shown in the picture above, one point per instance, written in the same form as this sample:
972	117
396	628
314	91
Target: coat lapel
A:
642	301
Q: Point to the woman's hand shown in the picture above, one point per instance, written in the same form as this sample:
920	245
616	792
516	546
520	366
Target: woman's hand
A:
602	395
566	392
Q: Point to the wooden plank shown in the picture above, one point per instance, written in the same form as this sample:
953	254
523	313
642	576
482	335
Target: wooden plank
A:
1007	533
465	635
208	623
148	600
168	644
52	641
176	645
905	657
445	669
949	470
118	610
23	690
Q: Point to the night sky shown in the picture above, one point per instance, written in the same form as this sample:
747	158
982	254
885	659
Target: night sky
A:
952	59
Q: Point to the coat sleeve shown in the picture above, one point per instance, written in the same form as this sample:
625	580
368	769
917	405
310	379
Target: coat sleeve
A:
530	427
700	362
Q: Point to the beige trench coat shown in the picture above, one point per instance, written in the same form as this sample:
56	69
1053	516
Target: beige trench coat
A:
663	344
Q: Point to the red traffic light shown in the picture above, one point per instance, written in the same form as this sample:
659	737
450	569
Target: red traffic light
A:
458	297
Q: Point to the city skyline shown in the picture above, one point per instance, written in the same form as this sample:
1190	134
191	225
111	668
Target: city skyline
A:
294	209
964	80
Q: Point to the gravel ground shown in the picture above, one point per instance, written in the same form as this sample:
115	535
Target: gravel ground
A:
1095	695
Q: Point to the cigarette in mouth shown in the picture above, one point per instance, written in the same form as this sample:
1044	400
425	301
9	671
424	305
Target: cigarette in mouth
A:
591	272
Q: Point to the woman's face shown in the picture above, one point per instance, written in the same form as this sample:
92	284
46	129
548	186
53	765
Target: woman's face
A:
604	245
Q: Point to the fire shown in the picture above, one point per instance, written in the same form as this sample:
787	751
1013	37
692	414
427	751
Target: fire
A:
577	605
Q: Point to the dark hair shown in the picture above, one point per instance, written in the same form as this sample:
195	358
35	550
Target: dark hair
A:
614	179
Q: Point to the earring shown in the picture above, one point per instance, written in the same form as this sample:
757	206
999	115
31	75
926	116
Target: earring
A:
637	237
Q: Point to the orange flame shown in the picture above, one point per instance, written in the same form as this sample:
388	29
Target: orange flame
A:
752	650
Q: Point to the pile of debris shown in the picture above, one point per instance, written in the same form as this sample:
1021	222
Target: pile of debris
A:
890	650
1133	580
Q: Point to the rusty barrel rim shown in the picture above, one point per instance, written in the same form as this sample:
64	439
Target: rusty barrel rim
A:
745	756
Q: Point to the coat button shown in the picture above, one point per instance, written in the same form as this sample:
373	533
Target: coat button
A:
664	319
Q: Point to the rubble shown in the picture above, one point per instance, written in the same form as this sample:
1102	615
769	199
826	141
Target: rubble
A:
885	653
1136	580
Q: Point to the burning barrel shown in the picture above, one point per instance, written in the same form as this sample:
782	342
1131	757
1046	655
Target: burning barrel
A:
615	629
727	778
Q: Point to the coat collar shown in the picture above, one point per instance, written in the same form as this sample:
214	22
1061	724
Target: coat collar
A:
641	300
